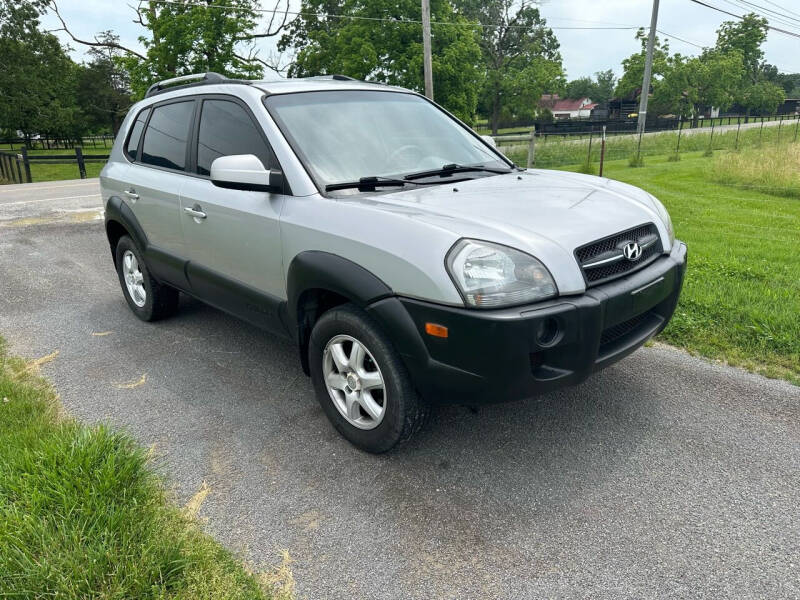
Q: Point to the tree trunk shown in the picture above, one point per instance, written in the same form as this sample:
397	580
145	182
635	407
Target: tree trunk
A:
495	113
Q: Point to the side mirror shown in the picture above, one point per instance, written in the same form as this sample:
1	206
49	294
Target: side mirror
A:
245	172
489	140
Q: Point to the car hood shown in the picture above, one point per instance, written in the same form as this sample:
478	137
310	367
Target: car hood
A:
545	213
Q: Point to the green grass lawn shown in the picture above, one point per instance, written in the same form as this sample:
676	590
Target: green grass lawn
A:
82	515
58	172
741	299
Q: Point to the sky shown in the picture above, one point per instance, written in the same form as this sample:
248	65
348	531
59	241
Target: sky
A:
584	51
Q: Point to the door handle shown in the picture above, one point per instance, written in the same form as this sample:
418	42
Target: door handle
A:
131	193
197	214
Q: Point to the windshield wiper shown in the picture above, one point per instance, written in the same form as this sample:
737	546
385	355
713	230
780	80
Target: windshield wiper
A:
452	168
368	184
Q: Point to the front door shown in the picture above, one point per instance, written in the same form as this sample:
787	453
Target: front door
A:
232	237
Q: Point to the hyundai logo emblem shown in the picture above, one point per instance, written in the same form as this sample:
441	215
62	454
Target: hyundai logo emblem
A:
632	251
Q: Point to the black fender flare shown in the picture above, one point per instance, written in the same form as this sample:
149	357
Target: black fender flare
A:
319	270
118	211
315	269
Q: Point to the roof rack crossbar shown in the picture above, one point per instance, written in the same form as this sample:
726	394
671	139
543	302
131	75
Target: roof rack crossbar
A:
189	80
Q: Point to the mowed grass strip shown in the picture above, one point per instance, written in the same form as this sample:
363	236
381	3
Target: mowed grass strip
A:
83	516
741	298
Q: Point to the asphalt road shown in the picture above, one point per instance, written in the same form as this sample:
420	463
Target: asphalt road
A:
662	477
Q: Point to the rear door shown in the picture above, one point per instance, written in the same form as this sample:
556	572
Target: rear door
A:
156	176
234	251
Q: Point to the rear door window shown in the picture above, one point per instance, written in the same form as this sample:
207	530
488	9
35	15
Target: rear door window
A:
227	129
166	135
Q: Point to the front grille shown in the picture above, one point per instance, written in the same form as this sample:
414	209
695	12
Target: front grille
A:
603	260
616	332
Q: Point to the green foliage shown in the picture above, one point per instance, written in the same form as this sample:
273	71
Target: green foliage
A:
745	36
521	58
389	52
763	97
712	79
38	80
82	515
630	83
193	38
598	90
103	88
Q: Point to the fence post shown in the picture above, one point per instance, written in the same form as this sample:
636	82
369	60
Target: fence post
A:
27	164
761	131
796	123
710	150
678	143
81	163
589	154
780	124
18	160
602	150
532	148
738	129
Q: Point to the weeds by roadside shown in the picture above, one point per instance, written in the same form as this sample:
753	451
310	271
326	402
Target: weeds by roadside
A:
83	515
774	170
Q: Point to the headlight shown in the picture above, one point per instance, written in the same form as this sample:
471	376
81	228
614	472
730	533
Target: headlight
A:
490	275
662	212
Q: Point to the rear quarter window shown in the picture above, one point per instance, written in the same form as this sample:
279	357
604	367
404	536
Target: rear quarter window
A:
135	136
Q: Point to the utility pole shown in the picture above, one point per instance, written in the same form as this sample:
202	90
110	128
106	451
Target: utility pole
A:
648	70
426	48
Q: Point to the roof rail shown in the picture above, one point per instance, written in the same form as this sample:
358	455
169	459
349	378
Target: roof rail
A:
335	77
203	79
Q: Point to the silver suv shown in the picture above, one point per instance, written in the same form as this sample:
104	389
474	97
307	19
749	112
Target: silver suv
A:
410	261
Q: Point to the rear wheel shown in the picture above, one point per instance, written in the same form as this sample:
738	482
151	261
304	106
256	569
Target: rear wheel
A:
360	381
148	299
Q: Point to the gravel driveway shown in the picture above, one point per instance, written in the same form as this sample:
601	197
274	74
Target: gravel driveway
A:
664	476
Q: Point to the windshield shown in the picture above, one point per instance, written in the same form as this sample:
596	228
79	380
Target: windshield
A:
343	136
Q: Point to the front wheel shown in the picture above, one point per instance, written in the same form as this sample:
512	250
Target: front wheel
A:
360	381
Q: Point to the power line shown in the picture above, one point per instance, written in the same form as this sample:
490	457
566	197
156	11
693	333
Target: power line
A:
782	16
740	17
672	35
782	8
749	6
376	19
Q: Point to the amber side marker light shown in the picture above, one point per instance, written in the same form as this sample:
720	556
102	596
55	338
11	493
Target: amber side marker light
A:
436	330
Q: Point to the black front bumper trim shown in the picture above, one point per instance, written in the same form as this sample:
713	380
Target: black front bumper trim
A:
494	355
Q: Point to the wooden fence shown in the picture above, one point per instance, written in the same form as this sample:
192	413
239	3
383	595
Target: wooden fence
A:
16	166
45	143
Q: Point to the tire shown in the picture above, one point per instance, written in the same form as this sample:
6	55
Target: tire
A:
402	411
159	300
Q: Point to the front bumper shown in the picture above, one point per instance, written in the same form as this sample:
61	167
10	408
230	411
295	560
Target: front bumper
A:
505	354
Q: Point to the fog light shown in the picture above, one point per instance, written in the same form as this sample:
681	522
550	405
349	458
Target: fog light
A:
547	332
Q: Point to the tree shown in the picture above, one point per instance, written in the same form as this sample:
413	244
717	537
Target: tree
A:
758	90
690	85
104	87
364	47
191	37
630	84
583	87
598	90
37	79
746	35
521	58
763	97
604	86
